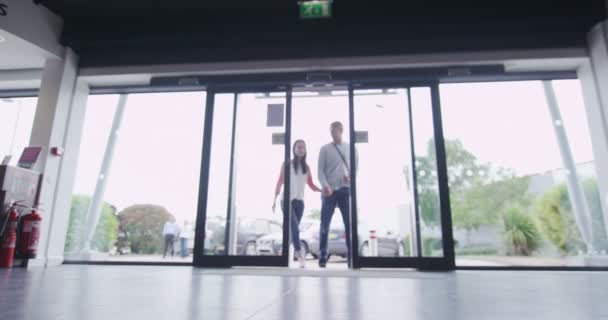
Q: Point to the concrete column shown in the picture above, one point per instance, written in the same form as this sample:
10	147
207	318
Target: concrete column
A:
49	130
594	80
67	173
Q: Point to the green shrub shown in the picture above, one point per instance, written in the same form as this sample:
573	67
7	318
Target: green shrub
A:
406	246
520	233
556	221
592	194
431	245
105	232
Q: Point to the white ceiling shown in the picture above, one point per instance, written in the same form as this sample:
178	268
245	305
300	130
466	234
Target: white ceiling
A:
16	54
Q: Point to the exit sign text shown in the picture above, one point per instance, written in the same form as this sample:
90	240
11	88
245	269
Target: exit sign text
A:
315	9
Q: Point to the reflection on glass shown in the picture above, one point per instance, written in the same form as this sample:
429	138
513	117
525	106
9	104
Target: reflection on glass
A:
519	211
237	218
428	186
257	163
219	174
386	213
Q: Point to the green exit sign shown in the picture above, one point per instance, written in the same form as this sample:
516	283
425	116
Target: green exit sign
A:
315	9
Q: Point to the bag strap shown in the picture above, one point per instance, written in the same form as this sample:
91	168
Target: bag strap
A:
342	156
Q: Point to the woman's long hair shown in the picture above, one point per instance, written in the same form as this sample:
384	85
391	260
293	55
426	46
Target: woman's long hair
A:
299	162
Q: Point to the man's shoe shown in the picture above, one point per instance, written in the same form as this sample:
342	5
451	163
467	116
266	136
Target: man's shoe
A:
322	264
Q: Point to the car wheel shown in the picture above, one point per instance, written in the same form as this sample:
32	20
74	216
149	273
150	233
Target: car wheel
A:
365	250
250	249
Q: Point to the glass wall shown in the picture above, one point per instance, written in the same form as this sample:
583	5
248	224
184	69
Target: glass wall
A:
136	190
521	174
16	120
522	192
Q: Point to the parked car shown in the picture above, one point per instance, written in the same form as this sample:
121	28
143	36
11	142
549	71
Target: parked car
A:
213	225
389	242
249	230
272	244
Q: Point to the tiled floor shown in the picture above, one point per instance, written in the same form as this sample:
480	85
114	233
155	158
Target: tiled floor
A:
121	292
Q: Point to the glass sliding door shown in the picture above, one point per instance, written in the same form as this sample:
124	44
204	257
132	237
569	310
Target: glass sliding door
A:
395	209
399	213
247	147
314	110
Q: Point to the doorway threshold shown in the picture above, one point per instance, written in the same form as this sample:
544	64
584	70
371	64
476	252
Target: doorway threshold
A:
320	273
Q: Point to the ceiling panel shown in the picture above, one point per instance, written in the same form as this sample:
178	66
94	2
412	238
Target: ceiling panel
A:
16	53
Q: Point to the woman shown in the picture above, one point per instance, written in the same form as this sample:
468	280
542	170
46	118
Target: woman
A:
299	177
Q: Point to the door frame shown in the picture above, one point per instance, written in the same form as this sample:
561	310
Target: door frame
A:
353	81
227	260
447	261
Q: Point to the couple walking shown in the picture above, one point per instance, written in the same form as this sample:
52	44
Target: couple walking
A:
334	175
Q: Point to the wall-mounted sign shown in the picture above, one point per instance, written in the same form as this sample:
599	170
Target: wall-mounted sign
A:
361	137
278	138
275	115
3	10
29	157
317	9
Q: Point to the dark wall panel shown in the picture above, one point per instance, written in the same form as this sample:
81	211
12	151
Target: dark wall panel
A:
180	31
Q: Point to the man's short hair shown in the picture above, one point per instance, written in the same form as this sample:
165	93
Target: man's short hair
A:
336	124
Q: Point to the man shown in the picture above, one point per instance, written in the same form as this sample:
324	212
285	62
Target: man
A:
334	175
170	232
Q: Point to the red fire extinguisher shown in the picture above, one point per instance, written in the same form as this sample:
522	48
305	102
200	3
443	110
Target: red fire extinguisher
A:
9	238
29	234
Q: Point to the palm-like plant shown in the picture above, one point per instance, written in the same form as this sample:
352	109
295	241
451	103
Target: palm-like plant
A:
520	233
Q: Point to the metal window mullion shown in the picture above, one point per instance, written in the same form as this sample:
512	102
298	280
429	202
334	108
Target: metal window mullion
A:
442	176
230	220
354	235
414	175
286	205
203	195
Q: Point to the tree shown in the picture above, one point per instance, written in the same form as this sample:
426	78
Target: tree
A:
464	171
105	232
482	204
478	192
143	225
